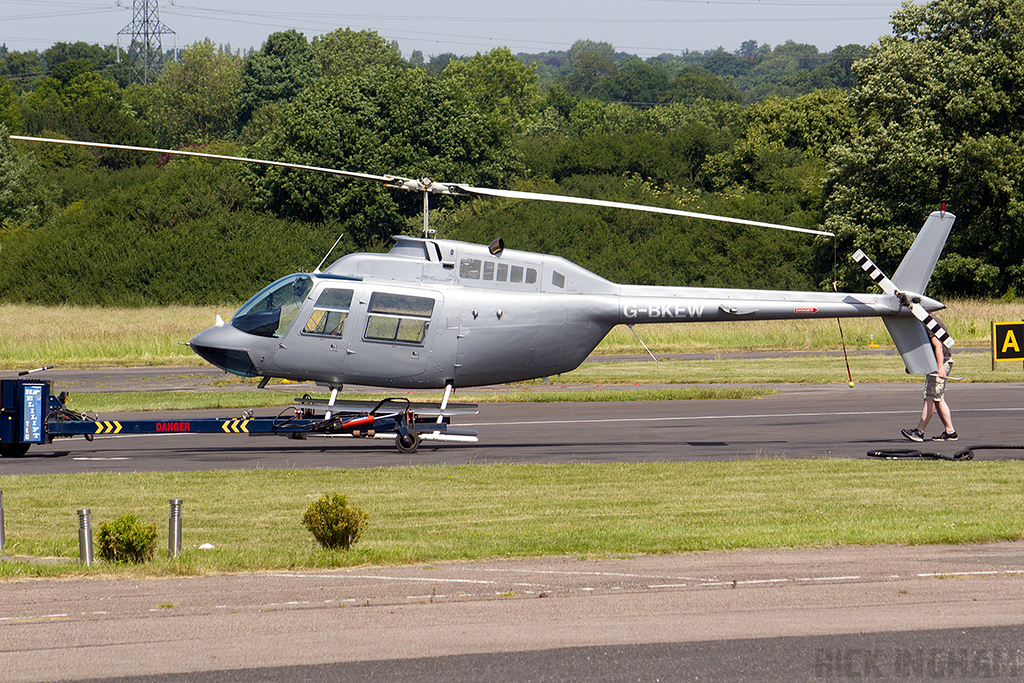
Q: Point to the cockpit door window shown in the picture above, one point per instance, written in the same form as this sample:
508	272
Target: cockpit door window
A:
329	313
270	312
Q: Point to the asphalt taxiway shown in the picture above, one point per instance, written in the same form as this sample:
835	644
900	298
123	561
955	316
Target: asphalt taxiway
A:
800	421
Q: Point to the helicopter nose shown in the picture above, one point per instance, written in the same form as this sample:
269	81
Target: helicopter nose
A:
221	346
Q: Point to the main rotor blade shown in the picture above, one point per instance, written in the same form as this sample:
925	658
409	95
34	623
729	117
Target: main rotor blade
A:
433	187
387	179
889	287
567	199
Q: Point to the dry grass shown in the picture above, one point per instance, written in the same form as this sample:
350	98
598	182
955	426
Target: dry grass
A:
78	336
95	337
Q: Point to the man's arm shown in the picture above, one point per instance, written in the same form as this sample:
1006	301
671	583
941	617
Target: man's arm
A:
937	348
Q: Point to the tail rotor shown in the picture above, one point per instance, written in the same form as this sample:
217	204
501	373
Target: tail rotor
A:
911	301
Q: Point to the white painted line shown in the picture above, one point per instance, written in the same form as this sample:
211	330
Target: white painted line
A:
560	572
692	418
88	458
388	578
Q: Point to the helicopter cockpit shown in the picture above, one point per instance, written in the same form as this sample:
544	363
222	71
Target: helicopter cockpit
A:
271	311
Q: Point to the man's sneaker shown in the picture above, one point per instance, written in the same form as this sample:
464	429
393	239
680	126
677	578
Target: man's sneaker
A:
946	436
913	434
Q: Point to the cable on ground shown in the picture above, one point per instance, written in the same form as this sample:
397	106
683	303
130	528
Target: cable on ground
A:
916	454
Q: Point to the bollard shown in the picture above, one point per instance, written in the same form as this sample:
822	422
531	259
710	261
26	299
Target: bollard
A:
174	528
84	537
3	537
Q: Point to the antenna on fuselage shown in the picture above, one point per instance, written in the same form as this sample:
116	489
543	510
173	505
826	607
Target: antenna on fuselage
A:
317	269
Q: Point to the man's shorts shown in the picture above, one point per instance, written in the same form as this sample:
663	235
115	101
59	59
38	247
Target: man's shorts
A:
935	386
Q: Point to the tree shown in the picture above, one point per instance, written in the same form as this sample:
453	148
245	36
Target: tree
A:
60	53
196	96
346	50
588	63
438	63
812	123
695	83
640	83
381	121
179	234
940	121
276	73
22	68
101	117
722	63
749	50
43	108
581	48
498	83
589	70
66	71
10	109
24	201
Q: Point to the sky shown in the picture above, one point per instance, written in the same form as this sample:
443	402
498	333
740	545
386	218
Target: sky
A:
642	27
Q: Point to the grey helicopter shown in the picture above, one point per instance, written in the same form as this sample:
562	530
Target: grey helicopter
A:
442	314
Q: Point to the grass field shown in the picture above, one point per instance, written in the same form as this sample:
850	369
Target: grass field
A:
444	513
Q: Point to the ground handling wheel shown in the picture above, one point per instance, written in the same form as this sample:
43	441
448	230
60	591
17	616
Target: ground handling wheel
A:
407	443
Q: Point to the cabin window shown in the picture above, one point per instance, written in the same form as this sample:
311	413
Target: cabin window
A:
531	276
489	270
272	310
329	313
469	269
502	272
398	317
558	280
517	274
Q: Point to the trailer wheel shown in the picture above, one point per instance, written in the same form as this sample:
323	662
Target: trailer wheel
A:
408	443
13	450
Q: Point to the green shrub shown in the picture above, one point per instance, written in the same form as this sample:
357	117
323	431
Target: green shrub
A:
127	539
333	522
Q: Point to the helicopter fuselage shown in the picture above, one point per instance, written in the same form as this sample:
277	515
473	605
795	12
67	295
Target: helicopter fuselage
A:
435	312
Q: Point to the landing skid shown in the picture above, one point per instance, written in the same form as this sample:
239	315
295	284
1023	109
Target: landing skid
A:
407	422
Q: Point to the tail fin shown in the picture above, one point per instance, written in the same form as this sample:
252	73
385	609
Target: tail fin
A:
915	270
912	342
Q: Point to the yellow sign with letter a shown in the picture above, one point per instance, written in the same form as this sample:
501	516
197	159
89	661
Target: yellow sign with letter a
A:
1007	342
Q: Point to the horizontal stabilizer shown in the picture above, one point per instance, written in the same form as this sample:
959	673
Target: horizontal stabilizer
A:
913	344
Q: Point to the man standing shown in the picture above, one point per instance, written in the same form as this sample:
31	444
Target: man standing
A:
935	393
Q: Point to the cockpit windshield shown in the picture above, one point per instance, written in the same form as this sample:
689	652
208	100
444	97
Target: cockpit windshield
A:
272	310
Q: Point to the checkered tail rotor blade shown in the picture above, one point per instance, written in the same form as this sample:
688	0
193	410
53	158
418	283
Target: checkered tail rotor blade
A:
889	287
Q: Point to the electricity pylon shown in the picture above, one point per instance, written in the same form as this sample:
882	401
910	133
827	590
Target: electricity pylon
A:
145	51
